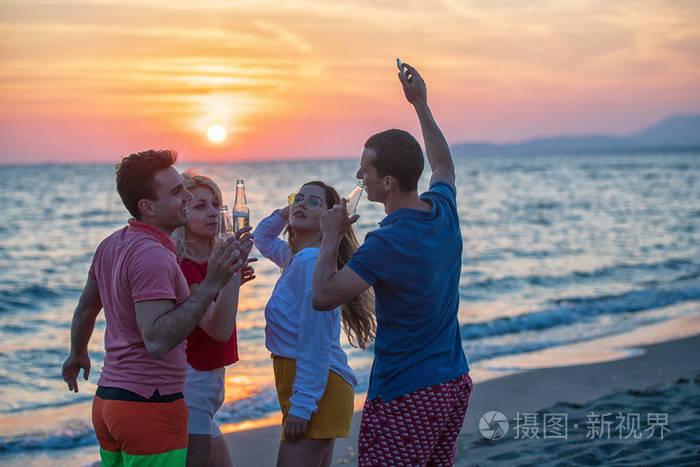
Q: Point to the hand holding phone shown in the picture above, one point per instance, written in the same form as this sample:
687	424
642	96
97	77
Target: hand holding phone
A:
403	69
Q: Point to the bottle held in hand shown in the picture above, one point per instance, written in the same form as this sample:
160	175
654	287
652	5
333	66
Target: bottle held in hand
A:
225	224
354	198
241	213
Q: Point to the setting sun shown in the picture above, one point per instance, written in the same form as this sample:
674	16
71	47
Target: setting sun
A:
216	133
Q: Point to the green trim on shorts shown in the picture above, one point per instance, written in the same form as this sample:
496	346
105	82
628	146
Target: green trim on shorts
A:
173	458
111	459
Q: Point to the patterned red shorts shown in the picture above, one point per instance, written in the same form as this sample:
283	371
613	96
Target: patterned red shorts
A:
416	429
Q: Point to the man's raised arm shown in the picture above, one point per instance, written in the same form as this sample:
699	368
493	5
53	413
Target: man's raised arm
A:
436	148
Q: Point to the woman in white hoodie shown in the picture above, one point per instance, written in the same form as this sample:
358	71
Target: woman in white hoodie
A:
315	384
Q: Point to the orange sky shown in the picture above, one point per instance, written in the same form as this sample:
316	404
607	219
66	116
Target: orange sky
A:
94	80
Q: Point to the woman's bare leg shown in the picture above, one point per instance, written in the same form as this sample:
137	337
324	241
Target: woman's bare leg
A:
198	450
220	455
326	462
305	453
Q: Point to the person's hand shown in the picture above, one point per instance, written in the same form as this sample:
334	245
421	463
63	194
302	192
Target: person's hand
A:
71	369
245	242
413	86
284	212
335	222
294	427
224	260
248	273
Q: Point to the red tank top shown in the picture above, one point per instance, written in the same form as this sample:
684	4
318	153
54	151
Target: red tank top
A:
203	352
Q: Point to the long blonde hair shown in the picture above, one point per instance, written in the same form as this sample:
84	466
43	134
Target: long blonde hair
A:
183	249
357	314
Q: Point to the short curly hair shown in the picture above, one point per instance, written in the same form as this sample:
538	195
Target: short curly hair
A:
135	175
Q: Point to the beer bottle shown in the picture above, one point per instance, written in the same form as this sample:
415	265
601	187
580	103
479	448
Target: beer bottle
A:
241	213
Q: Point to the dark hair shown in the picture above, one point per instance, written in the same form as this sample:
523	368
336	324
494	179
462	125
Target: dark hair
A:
357	314
135	176
398	155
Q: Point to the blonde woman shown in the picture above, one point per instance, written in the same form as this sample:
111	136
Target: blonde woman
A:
315	384
212	345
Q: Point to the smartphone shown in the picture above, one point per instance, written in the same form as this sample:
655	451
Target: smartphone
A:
399	64
403	69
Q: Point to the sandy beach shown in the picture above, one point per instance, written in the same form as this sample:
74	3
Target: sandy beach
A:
661	379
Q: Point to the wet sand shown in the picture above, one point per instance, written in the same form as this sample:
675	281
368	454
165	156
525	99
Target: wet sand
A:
661	378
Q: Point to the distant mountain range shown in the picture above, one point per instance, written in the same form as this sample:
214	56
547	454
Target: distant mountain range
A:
676	133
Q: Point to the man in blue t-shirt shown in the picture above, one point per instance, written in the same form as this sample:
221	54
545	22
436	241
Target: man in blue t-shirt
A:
419	386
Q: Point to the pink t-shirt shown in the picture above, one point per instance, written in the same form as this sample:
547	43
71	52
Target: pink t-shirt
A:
134	264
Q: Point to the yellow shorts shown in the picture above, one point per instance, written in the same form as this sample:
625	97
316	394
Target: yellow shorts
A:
335	409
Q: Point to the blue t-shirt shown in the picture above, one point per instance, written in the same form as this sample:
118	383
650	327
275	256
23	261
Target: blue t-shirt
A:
414	262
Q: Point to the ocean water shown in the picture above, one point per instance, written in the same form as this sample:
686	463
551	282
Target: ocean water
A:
557	251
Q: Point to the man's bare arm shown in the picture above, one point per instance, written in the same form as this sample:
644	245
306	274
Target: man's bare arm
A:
164	327
82	326
336	287
330	287
436	147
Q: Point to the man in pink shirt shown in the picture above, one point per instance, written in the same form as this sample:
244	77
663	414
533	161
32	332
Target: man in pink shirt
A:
139	414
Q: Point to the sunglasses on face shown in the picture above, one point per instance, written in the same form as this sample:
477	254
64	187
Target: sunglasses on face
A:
310	202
